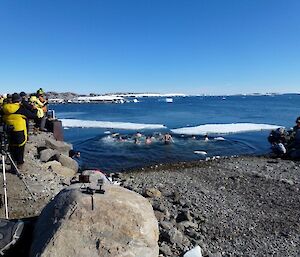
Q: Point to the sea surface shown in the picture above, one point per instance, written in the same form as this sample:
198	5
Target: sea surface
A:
236	125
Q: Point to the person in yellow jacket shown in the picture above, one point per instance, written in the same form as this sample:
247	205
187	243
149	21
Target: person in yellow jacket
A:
40	104
14	116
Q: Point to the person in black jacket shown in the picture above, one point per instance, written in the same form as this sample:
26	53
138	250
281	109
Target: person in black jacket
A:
14	116
294	144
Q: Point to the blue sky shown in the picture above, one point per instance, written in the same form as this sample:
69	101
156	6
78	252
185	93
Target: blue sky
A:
188	46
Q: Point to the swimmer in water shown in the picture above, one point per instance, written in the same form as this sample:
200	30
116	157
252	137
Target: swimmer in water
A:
168	138
138	134
206	138
148	140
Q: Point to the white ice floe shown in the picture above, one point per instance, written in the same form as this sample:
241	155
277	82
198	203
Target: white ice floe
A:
223	128
200	152
219	138
108	124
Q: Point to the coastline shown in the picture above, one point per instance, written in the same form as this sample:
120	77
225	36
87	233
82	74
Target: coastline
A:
236	206
239	205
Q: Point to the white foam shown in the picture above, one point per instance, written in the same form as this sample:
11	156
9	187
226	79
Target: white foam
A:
223	128
108	124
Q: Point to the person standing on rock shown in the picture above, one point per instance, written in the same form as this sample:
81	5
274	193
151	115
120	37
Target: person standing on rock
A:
14	116
40	104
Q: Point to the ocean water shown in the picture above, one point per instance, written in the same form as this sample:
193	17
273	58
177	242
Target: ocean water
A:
236	125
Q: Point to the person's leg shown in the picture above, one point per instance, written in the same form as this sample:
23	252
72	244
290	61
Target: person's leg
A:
19	154
43	123
13	152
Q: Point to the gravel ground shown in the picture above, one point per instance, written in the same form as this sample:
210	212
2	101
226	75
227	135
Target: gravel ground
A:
43	183
239	206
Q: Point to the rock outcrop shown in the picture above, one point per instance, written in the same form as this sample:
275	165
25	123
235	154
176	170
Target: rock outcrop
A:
117	223
60	146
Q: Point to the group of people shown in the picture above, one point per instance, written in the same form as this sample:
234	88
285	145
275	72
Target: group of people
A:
284	143
15	110
139	138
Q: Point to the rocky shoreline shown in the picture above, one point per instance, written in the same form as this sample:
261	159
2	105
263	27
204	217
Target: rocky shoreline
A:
237	206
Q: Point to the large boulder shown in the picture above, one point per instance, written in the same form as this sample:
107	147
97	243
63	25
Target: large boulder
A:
47	154
67	162
57	168
114	224
60	146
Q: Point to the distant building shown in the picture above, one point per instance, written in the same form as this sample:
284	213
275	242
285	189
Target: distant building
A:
99	99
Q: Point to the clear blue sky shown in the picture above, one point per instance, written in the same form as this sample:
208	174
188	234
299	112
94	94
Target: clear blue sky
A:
187	46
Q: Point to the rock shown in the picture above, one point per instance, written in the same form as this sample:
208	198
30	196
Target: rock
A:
166	225
186	224
47	154
152	192
184	216
216	254
157	206
192	233
165	249
57	168
176	237
94	176
287	181
52	165
68	162
114	224
159	215
64	171
60	146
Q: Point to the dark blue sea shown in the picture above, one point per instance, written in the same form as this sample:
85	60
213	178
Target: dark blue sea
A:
90	128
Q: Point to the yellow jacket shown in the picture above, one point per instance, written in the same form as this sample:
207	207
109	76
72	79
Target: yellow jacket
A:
39	106
17	121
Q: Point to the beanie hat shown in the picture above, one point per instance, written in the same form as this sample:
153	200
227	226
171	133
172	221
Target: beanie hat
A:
16	98
23	94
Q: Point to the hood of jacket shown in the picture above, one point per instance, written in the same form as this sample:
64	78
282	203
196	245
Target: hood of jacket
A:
11	108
